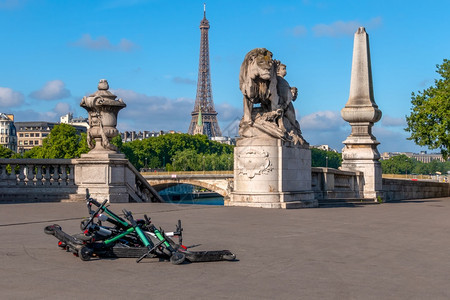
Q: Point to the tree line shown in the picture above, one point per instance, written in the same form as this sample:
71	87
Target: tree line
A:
177	152
184	152
402	164
62	142
172	152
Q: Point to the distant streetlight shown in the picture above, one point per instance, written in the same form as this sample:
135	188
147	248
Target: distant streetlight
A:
203	164
406	168
326	161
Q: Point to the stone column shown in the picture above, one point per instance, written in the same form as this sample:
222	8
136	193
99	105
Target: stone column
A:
360	152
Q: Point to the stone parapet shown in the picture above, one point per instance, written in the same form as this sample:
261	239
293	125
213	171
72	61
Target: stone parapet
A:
403	189
107	176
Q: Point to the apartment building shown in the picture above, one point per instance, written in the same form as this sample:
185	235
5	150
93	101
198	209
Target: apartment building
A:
8	137
31	134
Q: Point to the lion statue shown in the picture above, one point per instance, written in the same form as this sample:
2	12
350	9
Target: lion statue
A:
257	80
268	97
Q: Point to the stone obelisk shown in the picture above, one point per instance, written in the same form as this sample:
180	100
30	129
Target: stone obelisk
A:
360	152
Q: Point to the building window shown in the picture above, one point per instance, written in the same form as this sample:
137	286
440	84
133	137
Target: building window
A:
25	142
20	134
6	131
1	140
31	134
36	142
38	134
27	135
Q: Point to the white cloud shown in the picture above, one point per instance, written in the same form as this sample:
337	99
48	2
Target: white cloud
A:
325	127
52	90
344	28
10	98
183	80
102	43
114	4
298	31
227	113
52	115
145	112
392	140
393	122
337	28
62	108
11	4
323	120
328	127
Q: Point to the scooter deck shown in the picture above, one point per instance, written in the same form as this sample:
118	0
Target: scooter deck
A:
68	240
205	256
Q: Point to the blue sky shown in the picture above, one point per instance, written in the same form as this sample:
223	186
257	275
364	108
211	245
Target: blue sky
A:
52	53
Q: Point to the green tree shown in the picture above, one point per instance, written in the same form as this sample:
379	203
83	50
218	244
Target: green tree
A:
171	150
5	152
429	121
399	164
319	158
63	142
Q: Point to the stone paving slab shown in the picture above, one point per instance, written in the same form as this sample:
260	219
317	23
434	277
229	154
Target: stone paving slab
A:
387	251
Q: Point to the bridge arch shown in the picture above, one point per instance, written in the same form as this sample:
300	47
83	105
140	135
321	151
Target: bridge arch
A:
160	185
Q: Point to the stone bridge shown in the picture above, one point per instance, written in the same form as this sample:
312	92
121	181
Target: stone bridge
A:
216	181
326	183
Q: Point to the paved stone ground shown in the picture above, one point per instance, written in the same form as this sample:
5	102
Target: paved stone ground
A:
388	251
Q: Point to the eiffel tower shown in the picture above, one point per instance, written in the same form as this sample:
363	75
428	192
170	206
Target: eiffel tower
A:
204	117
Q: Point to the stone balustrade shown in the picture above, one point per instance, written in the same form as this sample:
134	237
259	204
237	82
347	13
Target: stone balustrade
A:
36	172
29	180
143	191
37	180
328	183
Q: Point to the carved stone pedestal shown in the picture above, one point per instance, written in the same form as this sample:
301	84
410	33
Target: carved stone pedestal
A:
363	157
105	174
271	173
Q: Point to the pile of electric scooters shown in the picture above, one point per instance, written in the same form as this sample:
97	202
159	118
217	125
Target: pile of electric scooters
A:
127	237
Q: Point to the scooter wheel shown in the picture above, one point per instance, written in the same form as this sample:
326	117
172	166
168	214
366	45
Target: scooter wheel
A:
230	256
177	258
51	229
83	224
85	253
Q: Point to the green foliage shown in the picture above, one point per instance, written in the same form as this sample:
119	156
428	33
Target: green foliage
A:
190	160
319	158
401	164
63	142
429	121
5	152
178	151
